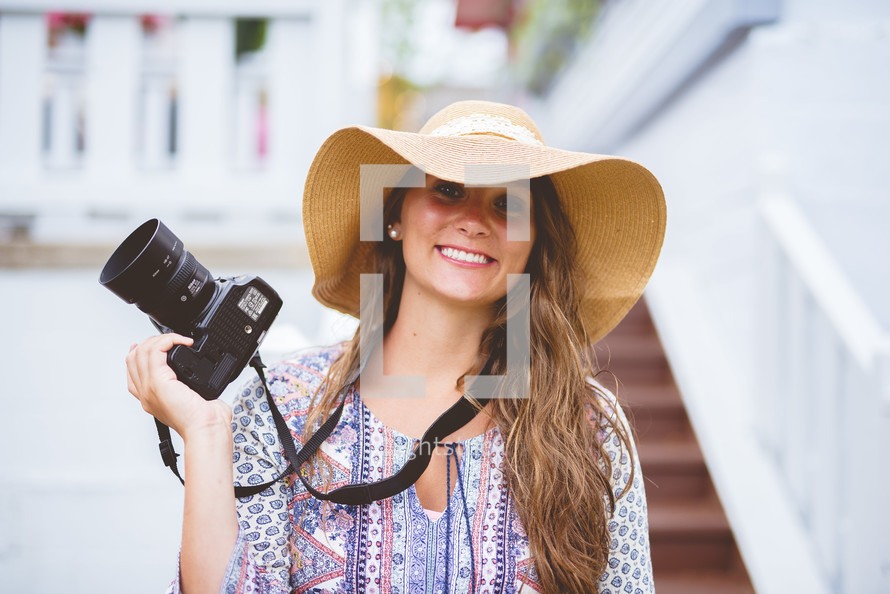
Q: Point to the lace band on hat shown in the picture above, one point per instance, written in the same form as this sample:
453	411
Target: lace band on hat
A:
482	123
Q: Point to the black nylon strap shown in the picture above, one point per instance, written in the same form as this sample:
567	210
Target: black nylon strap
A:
448	422
285	437
458	415
168	453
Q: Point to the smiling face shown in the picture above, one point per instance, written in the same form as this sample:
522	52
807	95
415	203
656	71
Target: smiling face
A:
454	241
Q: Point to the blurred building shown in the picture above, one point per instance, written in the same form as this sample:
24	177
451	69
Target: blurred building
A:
767	123
202	114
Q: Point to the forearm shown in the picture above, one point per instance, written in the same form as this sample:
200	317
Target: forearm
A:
210	522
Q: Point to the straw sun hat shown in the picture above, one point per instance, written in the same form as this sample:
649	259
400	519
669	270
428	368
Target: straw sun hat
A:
615	206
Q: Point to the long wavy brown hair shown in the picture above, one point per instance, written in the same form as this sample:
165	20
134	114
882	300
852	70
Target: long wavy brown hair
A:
556	464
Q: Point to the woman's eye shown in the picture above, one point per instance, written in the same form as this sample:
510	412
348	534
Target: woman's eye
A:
511	205
449	190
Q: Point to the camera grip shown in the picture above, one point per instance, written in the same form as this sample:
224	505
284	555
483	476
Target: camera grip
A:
200	373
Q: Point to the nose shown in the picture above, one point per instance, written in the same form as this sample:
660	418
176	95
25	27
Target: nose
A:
472	219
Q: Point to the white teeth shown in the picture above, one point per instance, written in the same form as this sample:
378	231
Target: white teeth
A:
464	256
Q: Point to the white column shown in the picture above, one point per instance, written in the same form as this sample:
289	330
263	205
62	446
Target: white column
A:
329	65
205	115
156	122
363	60
291	108
22	54
248	85
112	71
64	98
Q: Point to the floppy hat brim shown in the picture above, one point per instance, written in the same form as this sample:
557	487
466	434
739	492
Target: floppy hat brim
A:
615	205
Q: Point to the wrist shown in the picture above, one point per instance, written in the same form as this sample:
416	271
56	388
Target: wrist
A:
213	427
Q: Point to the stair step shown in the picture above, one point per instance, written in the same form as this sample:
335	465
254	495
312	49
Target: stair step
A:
673	582
636	345
630	373
690	536
688	519
650	395
630	347
691	554
674	470
674	454
654	412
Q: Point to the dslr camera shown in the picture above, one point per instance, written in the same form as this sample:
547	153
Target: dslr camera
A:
227	317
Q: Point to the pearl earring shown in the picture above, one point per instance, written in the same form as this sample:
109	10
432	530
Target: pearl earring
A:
395	232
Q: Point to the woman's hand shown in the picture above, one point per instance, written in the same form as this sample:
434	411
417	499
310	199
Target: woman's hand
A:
154	383
210	524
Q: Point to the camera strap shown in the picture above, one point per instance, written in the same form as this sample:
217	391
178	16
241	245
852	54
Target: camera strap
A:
458	415
168	452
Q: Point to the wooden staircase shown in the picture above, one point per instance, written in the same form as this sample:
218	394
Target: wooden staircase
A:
692	546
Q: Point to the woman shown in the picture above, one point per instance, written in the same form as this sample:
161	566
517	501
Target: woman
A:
539	491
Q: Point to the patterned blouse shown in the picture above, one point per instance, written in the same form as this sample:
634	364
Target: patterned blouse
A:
291	542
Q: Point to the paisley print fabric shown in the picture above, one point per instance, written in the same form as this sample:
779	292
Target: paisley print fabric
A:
291	542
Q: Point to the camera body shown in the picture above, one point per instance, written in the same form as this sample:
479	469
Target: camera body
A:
227	334
227	317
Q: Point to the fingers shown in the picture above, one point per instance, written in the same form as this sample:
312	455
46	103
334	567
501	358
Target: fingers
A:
151	380
165	342
155	346
147	362
131	385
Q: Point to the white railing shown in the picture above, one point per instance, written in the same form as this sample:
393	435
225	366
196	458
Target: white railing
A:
122	123
797	439
826	402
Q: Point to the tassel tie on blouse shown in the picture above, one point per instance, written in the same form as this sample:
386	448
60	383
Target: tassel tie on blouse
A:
452	452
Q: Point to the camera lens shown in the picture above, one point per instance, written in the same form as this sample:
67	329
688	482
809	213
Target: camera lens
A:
152	269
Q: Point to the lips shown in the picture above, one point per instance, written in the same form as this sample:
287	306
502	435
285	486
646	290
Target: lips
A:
465	256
